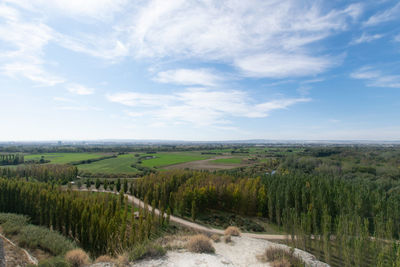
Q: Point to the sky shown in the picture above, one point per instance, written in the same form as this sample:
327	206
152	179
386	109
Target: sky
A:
199	70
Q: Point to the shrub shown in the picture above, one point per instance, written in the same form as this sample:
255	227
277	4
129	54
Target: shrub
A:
104	258
281	257
200	244
232	230
122	260
227	239
77	258
13	223
216	238
32	236
145	250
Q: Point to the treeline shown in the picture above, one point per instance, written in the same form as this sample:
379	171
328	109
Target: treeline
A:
11	159
100	223
329	207
57	173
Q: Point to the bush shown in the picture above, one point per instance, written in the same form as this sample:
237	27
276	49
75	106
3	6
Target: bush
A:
216	238
281	257
104	258
122	260
13	223
77	258
232	230
146	250
200	244
32	236
54	262
227	239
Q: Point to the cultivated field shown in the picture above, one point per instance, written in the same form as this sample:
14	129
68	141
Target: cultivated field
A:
120	164
171	158
63	158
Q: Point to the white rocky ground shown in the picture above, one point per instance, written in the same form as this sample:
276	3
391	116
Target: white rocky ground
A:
243	251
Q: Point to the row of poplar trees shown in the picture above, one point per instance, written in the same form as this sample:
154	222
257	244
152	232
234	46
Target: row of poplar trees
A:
99	223
57	173
11	159
333	217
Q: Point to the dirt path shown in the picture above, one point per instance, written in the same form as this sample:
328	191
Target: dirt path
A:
194	225
16	256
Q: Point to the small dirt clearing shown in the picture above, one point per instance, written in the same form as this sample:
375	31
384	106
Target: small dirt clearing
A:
206	164
241	252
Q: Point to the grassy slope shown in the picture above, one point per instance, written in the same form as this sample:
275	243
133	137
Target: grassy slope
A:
62	158
121	164
164	159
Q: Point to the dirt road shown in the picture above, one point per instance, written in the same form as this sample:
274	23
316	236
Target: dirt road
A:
194	225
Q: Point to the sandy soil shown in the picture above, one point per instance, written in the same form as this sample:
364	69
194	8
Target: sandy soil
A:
205	164
242	252
14	256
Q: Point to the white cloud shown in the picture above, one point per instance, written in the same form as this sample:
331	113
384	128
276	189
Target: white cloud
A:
110	49
62	99
282	65
24	51
224	32
238	32
366	38
80	89
397	38
376	78
188	77
98	9
200	106
385	16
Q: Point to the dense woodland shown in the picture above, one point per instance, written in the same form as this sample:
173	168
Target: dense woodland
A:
350	211
100	223
55	173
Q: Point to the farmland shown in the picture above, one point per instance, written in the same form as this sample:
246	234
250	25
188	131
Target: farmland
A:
63	158
165	159
120	164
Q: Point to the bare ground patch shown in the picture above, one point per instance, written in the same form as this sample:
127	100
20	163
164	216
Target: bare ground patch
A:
205	164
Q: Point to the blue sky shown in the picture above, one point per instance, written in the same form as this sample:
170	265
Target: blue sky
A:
199	70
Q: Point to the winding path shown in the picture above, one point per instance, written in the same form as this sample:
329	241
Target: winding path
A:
193	225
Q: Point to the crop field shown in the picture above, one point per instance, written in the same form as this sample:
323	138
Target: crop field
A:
63	158
165	159
120	164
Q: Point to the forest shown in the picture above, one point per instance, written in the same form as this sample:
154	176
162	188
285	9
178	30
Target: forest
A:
100	223
340	203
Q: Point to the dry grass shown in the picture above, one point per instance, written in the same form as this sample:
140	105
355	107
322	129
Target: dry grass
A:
216	238
122	260
77	258
227	239
200	244
104	258
281	263
280	257
232	230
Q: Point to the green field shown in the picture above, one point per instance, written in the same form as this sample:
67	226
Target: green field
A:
165	159
63	158
227	161
120	164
